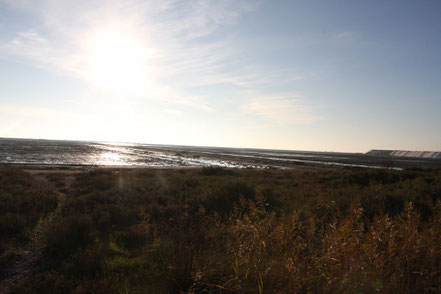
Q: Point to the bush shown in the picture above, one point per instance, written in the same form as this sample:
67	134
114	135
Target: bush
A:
50	282
224	199
199	231
24	202
70	234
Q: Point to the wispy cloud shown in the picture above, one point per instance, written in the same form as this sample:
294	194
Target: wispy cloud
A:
166	30
250	77
166	25
282	110
178	51
9	129
28	39
30	112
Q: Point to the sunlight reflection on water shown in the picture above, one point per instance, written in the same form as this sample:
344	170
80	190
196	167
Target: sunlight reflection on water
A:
110	158
30	151
111	155
114	155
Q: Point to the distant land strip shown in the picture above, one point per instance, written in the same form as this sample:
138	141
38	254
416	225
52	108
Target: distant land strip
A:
401	153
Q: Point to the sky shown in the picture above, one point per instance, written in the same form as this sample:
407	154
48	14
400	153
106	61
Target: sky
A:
319	75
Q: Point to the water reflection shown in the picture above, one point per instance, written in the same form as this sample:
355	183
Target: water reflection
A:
110	158
27	151
114	155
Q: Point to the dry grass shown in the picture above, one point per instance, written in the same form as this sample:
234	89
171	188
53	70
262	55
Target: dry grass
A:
23	204
223	231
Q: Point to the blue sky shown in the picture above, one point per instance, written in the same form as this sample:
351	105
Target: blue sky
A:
305	75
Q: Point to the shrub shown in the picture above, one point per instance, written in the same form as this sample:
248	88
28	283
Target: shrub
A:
223	200
193	231
70	234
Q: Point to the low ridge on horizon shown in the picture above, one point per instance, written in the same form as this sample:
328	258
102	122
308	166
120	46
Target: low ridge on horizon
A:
405	153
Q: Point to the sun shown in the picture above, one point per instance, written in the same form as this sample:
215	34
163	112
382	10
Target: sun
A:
116	61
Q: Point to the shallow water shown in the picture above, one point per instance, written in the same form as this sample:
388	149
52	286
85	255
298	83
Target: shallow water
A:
30	151
27	151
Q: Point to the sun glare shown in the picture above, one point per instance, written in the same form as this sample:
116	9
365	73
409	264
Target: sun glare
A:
116	61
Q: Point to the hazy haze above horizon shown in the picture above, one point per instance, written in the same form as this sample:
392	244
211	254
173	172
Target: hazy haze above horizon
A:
305	75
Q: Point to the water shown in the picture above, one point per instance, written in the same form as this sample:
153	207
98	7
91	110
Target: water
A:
51	152
28	151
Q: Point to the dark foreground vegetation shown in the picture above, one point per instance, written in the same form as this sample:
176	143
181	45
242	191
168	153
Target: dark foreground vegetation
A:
24	203
231	231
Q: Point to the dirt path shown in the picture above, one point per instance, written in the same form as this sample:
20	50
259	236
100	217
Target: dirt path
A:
25	266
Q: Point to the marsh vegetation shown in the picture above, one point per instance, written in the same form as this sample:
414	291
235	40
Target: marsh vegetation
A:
218	230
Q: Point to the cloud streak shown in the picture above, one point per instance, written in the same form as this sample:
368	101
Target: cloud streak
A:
281	110
167	25
162	28
177	52
30	112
